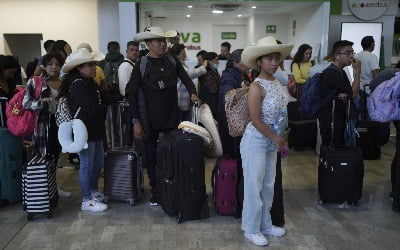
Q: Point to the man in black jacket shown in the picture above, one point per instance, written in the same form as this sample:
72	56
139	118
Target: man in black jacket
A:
159	85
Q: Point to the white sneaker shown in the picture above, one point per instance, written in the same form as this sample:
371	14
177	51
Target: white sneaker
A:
93	205
98	196
257	239
274	231
63	193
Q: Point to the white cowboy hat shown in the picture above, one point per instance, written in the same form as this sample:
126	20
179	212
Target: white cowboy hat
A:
81	56
264	46
193	128
152	33
206	118
97	55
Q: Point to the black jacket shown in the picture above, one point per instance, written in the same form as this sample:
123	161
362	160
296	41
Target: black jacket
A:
85	93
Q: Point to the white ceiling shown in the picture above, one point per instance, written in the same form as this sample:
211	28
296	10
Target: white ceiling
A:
203	8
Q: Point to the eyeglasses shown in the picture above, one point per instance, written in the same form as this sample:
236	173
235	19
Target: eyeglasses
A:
348	53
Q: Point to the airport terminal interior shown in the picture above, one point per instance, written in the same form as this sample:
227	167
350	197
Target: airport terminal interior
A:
372	224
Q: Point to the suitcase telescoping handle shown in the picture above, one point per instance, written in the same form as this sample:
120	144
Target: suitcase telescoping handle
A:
120	106
195	113
333	117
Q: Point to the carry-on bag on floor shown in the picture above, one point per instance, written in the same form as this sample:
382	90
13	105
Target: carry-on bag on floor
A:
225	182
123	171
302	128
180	174
39	187
368	131
340	172
10	163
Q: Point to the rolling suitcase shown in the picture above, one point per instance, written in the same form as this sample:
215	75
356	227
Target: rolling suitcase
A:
123	172
302	128
225	182
368	131
10	163
340	172
40	195
39	187
180	175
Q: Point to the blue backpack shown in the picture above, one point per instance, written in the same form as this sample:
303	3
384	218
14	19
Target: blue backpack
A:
310	99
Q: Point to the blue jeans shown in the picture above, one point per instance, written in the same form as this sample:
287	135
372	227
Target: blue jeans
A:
259	157
91	163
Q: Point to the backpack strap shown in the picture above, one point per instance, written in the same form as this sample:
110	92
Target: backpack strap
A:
127	61
38	85
143	64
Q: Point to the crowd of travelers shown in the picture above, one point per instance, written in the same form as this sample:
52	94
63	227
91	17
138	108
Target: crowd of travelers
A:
91	81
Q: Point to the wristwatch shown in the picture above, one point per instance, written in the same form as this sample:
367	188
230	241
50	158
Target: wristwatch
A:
135	120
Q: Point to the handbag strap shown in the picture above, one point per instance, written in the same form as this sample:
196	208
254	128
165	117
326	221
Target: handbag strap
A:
38	85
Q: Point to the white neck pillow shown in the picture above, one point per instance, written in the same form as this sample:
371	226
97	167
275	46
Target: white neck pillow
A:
214	150
73	136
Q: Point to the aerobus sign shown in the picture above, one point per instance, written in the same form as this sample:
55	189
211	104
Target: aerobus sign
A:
368	9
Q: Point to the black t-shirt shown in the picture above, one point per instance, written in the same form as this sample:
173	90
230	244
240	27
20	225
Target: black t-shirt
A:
159	85
335	78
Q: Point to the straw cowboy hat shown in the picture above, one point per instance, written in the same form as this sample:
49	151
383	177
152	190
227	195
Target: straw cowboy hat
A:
81	56
264	46
97	55
206	118
152	33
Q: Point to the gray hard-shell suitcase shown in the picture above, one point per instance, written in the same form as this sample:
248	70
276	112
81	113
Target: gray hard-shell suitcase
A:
123	171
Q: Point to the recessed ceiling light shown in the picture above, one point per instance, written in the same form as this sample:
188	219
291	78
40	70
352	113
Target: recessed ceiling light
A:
254	7
188	16
190	6
217	11
239	15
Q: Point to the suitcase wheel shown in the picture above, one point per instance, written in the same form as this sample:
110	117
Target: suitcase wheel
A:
30	217
131	202
321	202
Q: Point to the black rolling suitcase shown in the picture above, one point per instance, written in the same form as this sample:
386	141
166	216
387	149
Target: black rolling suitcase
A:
180	174
123	171
340	173
368	131
302	128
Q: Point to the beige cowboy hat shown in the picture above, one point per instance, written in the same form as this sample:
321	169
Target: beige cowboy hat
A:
264	46
206	118
81	56
97	55
152	33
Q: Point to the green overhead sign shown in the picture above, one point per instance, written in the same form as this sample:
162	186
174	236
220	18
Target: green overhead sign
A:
270	29
228	35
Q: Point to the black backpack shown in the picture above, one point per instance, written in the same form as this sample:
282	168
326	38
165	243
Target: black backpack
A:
111	77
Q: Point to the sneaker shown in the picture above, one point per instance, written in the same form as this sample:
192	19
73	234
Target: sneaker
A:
154	201
100	197
63	193
257	239
93	205
274	231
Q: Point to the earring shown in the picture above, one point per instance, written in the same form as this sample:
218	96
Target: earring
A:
337	57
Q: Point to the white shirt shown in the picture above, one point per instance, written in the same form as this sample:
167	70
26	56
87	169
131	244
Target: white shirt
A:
369	62
124	74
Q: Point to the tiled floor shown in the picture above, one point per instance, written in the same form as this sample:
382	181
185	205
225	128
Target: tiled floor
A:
373	225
